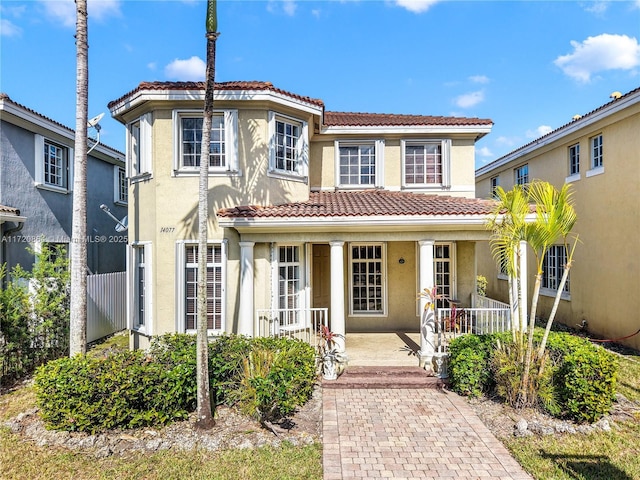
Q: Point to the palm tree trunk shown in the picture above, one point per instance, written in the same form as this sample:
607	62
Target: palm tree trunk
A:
78	307
526	374
204	412
554	309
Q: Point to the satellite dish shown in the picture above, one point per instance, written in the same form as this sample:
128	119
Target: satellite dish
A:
95	120
122	225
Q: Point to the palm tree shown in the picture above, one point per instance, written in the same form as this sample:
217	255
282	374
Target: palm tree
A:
204	413
78	307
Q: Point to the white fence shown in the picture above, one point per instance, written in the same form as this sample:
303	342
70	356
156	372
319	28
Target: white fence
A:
106	304
303	324
478	301
451	323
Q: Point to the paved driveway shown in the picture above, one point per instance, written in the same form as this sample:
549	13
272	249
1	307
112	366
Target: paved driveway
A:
407	433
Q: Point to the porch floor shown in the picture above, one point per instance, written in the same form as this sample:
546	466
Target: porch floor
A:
397	349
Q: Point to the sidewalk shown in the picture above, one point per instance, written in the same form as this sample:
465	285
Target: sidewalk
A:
418	432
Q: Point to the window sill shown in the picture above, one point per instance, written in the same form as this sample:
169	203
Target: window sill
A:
212	173
572	178
502	276
425	186
282	175
548	292
595	171
120	203
52	188
356	187
142	177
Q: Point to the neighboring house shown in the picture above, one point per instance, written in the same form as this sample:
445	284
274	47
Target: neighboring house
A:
36	179
599	155
352	212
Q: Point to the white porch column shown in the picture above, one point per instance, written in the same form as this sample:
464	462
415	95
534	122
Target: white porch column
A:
337	292
427	320
245	311
523	286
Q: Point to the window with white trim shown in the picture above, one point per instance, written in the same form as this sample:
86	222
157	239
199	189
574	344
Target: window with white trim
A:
521	174
553	268
215	287
222	144
288	146
139	145
495	183
120	185
425	163
289	285
443	272
53	166
367	278
596	152
140	287
574	159
358	164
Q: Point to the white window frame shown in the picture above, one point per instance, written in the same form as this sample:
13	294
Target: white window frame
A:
299	320
120	186
301	171
133	292
573	154
378	146
445	163
39	143
597	155
139	148
451	261
519	175
494	183
383	276
180	289
230	119
552	271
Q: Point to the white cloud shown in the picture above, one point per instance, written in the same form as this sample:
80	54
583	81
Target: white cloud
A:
597	8
479	79
8	29
416	6
289	7
191	69
508	141
470	99
64	11
539	132
152	65
598	54
484	152
637	3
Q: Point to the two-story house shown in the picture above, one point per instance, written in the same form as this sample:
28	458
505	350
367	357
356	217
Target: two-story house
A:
310	209
597	153
36	181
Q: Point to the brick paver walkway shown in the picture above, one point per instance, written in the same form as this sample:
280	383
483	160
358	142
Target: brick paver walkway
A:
409	433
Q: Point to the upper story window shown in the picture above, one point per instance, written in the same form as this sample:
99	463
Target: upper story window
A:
120	185
425	163
53	165
359	163
139	144
574	159
522	174
495	183
596	151
288	153
222	144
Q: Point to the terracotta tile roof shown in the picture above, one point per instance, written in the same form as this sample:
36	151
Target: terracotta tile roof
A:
5	209
235	85
351	119
365	203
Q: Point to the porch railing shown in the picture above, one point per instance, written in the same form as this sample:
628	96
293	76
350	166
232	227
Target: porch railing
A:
302	324
451	323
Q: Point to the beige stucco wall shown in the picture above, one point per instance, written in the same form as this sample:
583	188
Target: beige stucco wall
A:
605	276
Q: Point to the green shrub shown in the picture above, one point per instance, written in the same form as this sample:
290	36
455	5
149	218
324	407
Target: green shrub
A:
124	390
226	356
587	380
469	367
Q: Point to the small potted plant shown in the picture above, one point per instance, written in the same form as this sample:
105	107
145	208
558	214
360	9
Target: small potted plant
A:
332	358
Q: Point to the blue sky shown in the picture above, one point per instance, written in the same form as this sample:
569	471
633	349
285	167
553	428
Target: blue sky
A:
527	65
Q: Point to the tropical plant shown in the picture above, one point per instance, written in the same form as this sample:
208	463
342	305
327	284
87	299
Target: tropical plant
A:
204	412
554	218
78	325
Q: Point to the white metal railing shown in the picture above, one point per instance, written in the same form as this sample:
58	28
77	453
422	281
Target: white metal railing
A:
302	324
451	323
478	301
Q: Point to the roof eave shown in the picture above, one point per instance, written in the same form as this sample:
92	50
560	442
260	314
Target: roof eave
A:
478	131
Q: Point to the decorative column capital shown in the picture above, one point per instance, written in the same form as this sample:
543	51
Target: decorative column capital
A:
247	244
